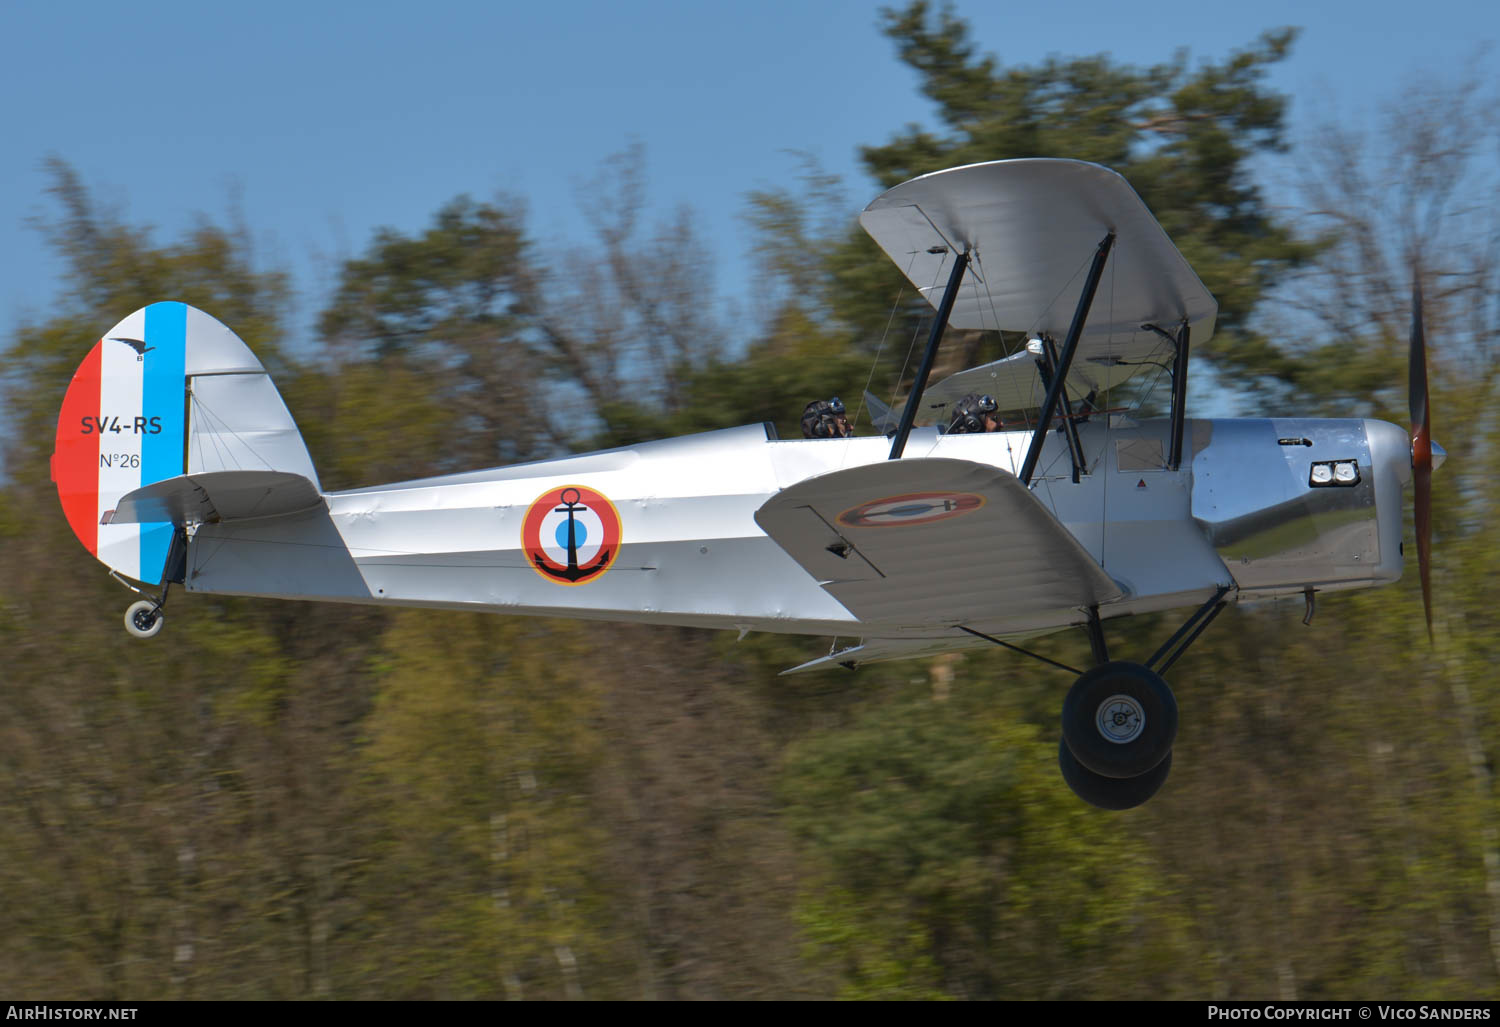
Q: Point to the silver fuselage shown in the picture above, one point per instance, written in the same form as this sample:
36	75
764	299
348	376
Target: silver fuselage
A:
1241	511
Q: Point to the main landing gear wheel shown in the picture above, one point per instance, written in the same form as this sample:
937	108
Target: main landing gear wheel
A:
144	619
1119	721
1113	793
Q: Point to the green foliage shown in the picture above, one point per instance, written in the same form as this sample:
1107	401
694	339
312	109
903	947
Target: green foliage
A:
109	266
481	745
775	379
447	315
423	297
358	435
289	801
956	861
1183	136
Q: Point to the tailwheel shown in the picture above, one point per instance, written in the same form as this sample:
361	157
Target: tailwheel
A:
1113	793
144	619
1119	721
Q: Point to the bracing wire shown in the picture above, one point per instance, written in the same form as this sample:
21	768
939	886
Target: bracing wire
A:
915	335
219	427
890	319
989	304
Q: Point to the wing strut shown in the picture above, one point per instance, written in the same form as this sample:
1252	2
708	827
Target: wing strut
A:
1179	395
1179	386
1048	365
1016	648
913	401
1070	346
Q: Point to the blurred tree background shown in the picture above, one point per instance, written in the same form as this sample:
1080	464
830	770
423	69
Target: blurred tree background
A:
282	800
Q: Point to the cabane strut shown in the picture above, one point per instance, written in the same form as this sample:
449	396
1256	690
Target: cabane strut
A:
1179	387
955	279
1065	363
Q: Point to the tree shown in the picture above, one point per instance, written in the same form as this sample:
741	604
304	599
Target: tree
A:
1185	137
173	808
534	350
1308	844
292	801
956	863
449	315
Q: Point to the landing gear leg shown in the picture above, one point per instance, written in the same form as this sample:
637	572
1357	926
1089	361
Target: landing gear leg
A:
1118	724
1120	719
1096	637
144	619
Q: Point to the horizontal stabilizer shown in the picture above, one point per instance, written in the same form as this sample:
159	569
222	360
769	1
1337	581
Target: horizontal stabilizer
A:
927	543
214	496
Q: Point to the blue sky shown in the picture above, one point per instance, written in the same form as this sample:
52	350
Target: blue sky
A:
327	120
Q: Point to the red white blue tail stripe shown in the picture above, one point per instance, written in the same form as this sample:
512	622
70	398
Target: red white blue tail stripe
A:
123	425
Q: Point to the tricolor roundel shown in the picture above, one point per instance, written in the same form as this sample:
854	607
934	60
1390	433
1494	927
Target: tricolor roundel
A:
571	534
909	510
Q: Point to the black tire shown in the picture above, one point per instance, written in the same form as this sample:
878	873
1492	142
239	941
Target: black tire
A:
1119	719
1113	793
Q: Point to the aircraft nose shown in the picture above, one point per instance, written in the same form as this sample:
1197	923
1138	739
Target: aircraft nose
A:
1439	454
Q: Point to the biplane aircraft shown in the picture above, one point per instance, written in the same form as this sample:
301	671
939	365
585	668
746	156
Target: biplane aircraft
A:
178	463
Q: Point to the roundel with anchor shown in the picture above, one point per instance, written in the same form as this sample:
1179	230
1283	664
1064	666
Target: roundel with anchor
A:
571	534
911	509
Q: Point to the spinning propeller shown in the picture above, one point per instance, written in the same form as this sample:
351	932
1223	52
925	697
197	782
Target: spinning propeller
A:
1421	447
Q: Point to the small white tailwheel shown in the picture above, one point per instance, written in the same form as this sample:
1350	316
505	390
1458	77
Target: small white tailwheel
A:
144	619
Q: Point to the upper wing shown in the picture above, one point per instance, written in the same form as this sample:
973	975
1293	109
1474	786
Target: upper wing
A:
918	543
1032	227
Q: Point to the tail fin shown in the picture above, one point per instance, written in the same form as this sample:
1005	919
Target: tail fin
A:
168	391
882	417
